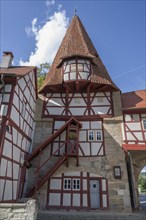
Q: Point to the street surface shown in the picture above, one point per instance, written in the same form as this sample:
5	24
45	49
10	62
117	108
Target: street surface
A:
142	198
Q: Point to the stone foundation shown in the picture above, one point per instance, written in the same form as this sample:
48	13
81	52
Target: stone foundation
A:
19	211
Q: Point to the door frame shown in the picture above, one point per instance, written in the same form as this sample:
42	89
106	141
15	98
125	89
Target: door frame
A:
100	192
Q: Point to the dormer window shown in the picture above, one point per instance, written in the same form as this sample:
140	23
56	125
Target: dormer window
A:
76	69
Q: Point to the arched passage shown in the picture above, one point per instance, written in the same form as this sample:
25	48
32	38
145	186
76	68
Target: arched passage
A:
142	189
136	162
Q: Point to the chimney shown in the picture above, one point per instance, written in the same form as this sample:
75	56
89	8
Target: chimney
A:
6	59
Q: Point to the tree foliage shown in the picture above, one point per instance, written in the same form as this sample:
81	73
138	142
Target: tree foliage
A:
142	183
42	70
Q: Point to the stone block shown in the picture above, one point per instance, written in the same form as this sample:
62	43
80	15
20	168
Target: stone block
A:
121	192
18	210
3	214
113	192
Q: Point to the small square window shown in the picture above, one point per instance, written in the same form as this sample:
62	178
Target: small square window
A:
94	185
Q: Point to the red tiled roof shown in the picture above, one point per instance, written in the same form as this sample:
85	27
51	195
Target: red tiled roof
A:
16	71
134	100
77	43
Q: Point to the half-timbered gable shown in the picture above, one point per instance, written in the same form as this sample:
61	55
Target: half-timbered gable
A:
78	104
134	119
18	99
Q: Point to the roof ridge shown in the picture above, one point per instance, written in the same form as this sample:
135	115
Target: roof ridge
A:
83	36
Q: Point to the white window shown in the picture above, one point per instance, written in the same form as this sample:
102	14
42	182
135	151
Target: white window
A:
90	135
76	184
71	184
98	135
95	135
67	184
144	124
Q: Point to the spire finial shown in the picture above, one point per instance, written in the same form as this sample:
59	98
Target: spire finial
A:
75	12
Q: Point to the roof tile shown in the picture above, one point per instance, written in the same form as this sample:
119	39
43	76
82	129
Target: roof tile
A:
16	70
134	100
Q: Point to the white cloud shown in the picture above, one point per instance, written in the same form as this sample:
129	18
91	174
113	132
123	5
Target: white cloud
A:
30	31
50	2
59	7
48	38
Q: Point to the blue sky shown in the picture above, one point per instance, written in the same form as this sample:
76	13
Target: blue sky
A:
33	30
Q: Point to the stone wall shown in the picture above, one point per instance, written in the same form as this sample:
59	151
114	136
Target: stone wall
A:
119	195
19	211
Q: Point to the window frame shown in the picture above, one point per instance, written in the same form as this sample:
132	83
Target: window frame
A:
95	139
71	184
67	184
98	131
77	184
79	67
89	135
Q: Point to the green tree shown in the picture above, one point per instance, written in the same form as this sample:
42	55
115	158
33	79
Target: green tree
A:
142	183
41	72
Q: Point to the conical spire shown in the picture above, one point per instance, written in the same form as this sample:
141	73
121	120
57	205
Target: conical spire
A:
77	43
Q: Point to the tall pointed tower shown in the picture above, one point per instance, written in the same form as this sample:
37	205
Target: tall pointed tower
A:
77	64
77	161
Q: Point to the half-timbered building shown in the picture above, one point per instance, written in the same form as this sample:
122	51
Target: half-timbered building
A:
134	137
77	160
86	132
17	108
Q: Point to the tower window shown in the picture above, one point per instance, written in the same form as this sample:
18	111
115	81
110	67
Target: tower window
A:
78	69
